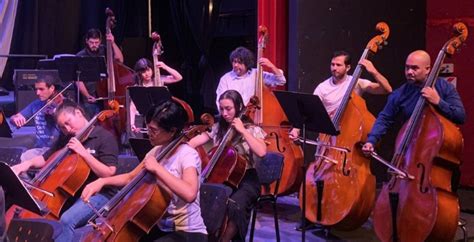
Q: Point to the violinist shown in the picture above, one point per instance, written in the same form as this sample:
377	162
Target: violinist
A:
250	143
94	47
144	72
179	172
45	125
242	77
332	90
99	150
402	101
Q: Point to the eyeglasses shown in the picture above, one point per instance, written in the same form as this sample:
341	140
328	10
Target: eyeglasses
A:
154	131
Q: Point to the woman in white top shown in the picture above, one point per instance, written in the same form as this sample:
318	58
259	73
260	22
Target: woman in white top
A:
144	78
179	172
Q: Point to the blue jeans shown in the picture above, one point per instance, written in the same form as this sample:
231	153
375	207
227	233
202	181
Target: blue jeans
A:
78	215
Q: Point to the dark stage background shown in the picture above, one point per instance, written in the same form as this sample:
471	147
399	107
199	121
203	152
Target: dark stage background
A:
199	34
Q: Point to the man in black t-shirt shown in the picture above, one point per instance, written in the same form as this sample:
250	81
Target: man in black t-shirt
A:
94	47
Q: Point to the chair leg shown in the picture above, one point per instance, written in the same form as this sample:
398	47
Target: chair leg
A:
277	229
252	227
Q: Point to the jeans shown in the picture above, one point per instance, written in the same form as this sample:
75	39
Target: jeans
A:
78	215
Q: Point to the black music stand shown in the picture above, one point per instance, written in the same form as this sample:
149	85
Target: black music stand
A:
140	147
16	192
307	112
146	97
77	68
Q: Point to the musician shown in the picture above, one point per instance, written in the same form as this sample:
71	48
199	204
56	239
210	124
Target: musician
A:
242	77
46	130
144	70
99	150
179	172
250	144
95	48
401	103
3	224
332	90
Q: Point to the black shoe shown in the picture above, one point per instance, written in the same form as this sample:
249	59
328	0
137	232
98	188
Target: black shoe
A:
308	225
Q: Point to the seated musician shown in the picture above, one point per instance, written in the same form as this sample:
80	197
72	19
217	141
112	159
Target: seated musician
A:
95	48
401	103
145	75
250	144
45	126
3	224
99	150
179	172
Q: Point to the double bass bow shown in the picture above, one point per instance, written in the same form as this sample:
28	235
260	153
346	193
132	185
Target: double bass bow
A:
417	204
340	189
272	119
63	176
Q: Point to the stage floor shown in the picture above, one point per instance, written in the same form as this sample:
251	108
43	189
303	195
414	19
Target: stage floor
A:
289	215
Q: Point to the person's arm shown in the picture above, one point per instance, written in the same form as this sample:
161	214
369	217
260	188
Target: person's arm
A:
199	140
133	113
117	181
381	86
173	77
385	119
83	90
448	103
118	55
276	77
257	145
99	168
185	187
35	162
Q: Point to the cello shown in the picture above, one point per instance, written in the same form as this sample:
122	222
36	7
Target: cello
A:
114	88
420	205
133	211
63	176
272	119
157	82
340	189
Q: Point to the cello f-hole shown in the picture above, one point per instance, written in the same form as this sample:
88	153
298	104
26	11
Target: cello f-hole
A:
277	139
345	171
422	178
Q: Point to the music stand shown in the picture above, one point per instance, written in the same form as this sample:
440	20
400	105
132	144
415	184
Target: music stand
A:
140	147
307	112
16	192
146	97
77	68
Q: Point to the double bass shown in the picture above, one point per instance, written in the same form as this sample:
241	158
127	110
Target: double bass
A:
272	119
420	206
63	176
340	189
114	87
133	211
157	82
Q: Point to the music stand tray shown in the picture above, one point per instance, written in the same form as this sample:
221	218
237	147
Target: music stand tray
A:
146	97
16	191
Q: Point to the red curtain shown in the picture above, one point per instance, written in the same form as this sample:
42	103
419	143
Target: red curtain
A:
274	15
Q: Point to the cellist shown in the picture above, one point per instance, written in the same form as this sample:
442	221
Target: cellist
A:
99	151
242	77
249	143
444	98
95	48
178	171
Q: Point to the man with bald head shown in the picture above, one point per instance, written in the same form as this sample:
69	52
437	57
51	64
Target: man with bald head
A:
444	98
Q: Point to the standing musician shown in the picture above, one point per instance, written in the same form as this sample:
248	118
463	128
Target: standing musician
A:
249	143
46	130
94	47
99	150
402	101
144	70
332	90
242	77
178	171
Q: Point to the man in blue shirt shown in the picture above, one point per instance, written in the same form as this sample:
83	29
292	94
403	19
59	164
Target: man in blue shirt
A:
444	98
46	128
